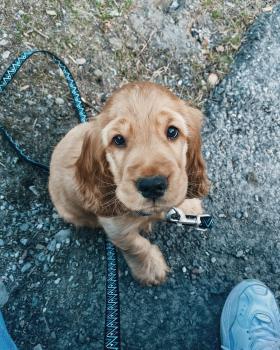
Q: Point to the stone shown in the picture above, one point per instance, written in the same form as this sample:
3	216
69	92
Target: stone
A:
240	254
59	101
174	5
52	245
3	42
98	73
5	55
62	235
51	13
26	267
213	79
4	295
24	227
80	61
23	241
38	347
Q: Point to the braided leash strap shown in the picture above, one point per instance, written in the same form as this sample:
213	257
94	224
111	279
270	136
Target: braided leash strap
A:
112	330
112	315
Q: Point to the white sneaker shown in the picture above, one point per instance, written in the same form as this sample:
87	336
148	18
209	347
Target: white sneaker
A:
250	319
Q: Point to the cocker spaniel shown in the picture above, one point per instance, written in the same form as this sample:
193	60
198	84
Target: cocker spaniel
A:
128	166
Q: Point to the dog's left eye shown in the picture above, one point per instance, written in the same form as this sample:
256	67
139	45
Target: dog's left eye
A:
172	132
119	140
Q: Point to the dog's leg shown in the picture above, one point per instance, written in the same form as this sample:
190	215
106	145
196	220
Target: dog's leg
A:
145	260
191	206
146	228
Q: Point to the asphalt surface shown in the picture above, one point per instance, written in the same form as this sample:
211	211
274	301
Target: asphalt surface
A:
57	299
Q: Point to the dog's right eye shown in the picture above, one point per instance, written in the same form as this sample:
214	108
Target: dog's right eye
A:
119	140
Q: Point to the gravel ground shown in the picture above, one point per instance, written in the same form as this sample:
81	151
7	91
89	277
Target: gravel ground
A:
52	278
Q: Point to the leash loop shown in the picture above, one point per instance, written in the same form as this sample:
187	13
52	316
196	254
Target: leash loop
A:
112	313
8	77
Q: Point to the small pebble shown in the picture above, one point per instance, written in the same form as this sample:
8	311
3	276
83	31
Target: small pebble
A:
57	280
267	9
3	42
213	79
24	241
174	5
59	101
197	270
51	12
213	260
80	61
41	257
184	269
4	295
26	267
34	191
2	243
5	54
52	245
238	215
53	335
38	347
98	73
24	227
220	48
11	277
62	235
240	254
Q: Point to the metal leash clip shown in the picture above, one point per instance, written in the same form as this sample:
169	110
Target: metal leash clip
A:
200	222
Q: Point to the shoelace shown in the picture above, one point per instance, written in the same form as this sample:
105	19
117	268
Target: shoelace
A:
264	338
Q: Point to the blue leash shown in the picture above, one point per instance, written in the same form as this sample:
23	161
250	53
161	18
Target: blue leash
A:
112	313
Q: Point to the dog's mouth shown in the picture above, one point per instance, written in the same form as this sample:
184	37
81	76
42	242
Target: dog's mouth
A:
143	213
150	211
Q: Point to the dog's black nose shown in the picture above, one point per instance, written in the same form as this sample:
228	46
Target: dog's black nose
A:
152	187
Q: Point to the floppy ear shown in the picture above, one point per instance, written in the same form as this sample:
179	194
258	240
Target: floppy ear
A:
198	183
95	180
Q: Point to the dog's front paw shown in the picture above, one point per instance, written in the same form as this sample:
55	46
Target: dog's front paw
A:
151	269
192	206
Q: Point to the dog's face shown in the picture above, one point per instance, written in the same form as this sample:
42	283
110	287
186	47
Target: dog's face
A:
146	144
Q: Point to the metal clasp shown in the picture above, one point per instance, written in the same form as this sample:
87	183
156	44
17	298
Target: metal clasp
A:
200	222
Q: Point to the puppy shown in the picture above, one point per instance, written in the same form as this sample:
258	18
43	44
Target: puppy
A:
128	166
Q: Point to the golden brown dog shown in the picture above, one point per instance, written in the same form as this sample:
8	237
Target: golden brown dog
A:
126	167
